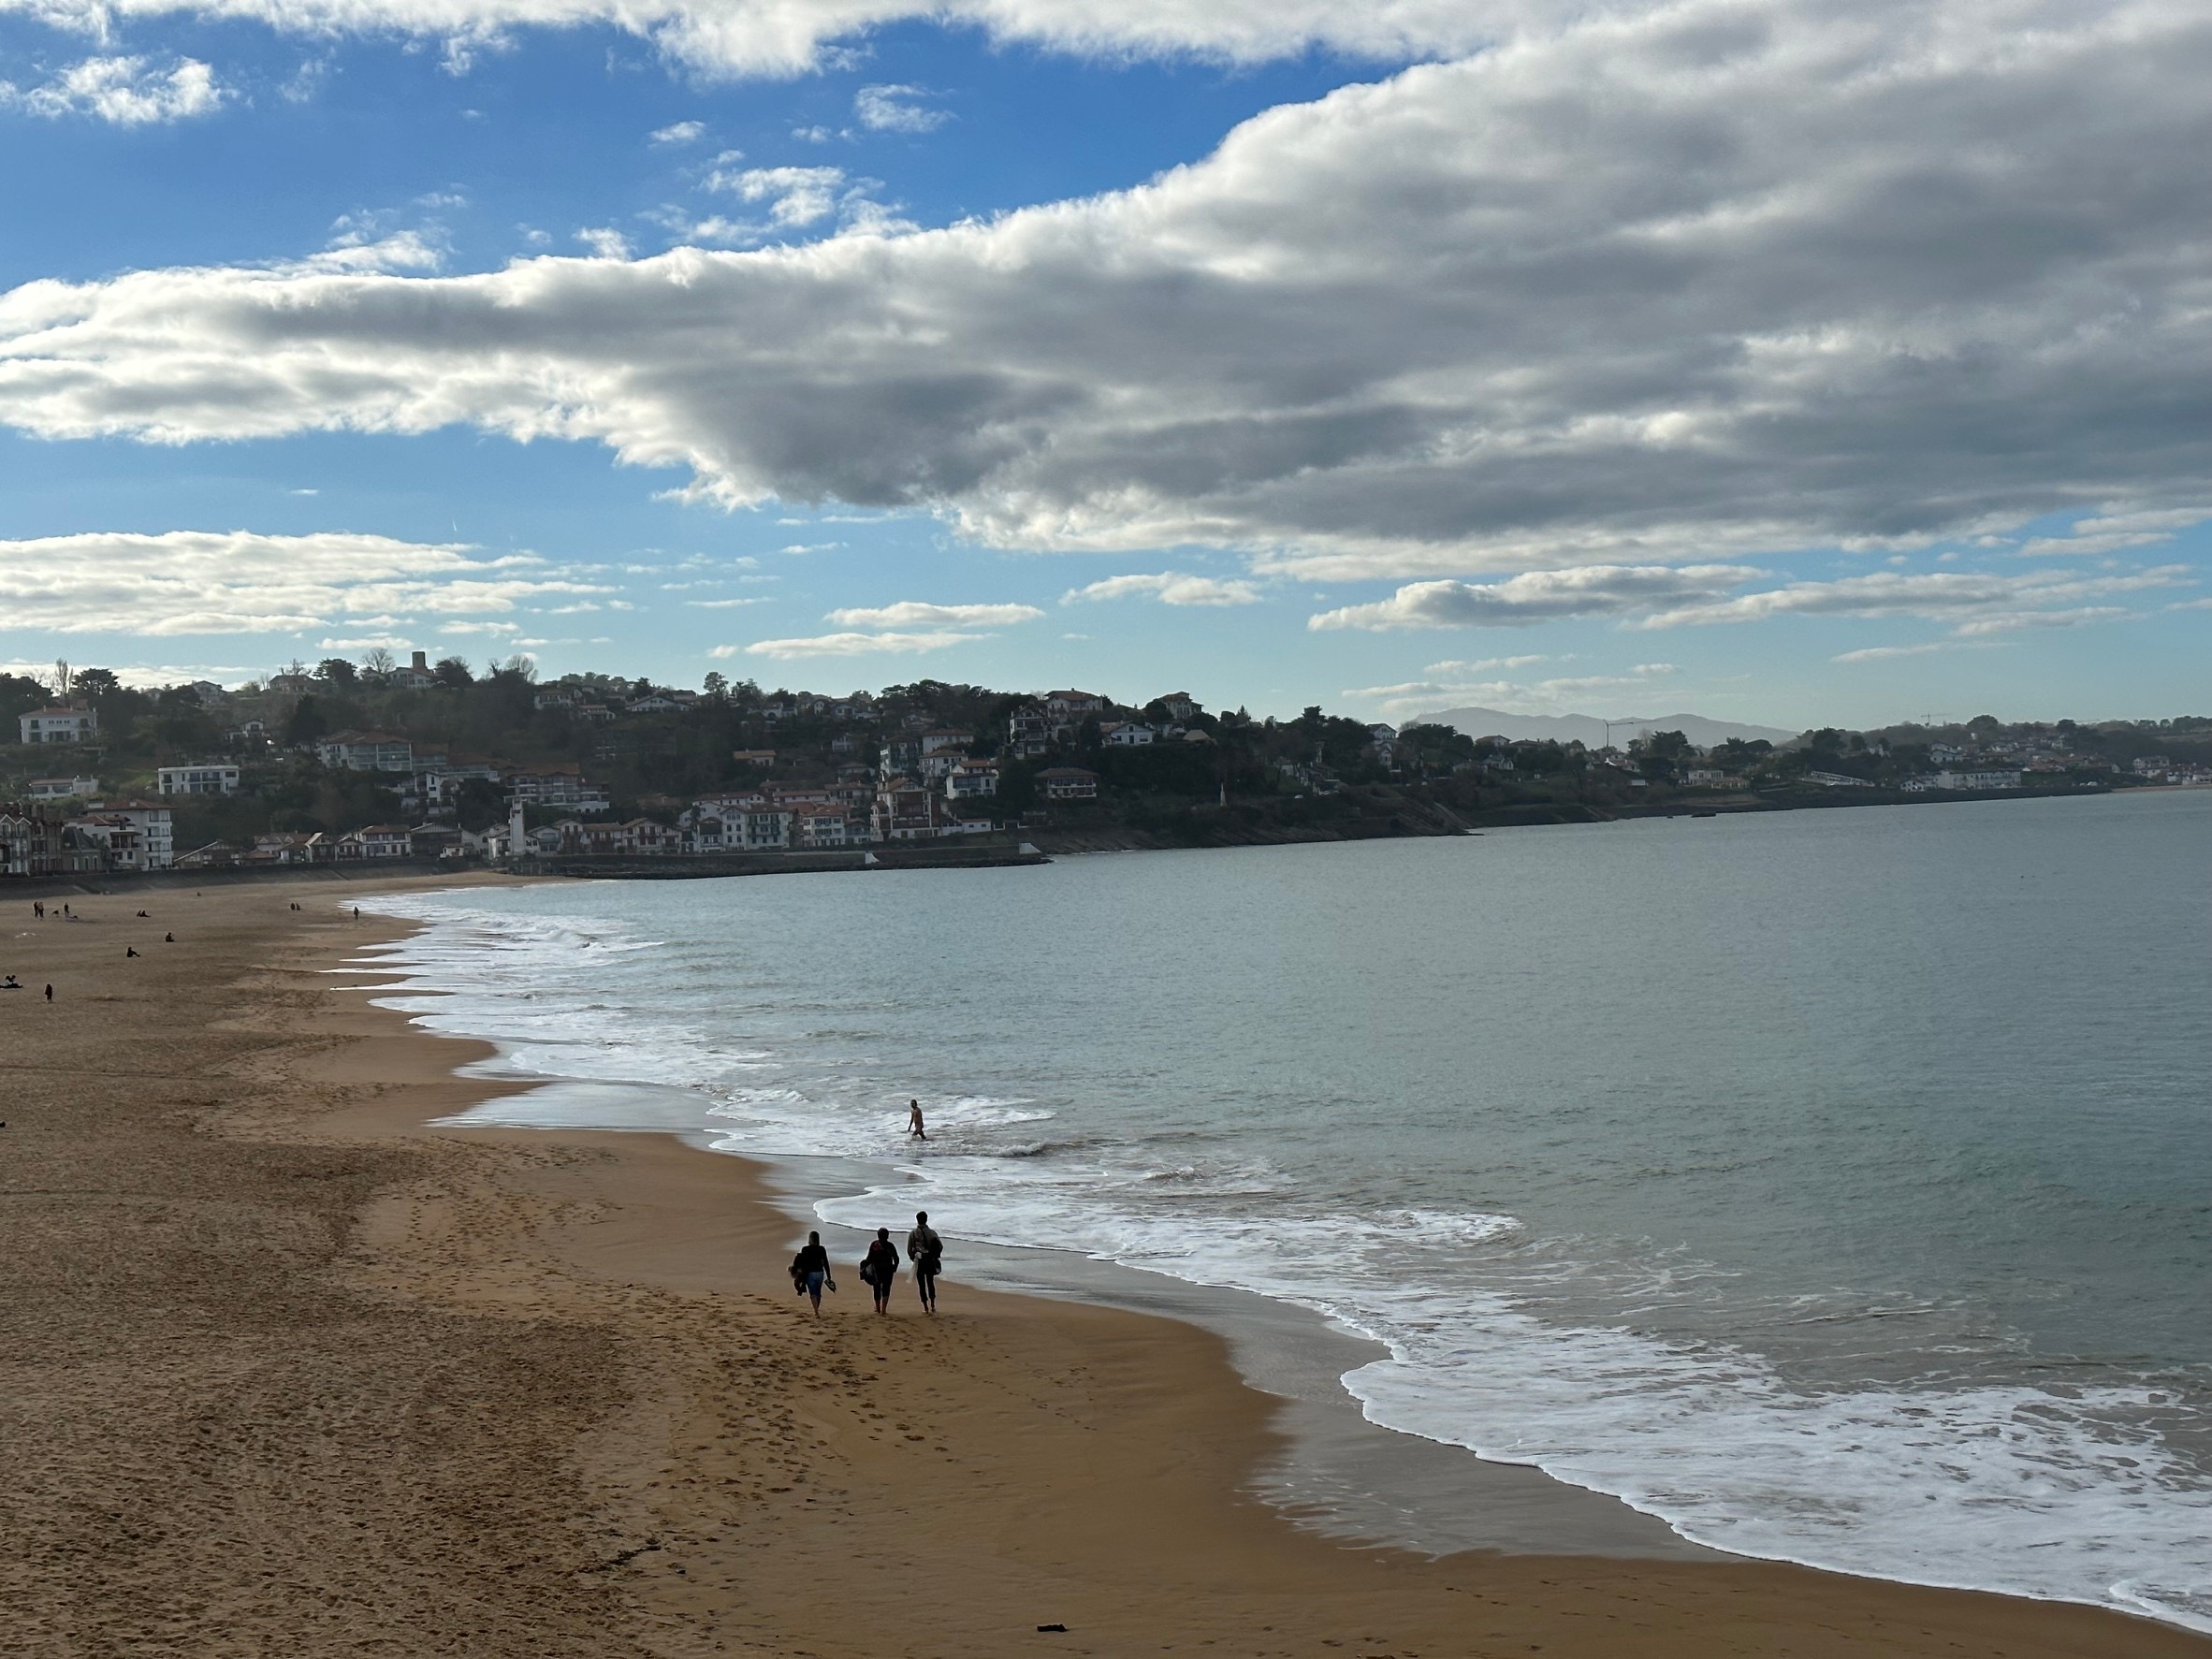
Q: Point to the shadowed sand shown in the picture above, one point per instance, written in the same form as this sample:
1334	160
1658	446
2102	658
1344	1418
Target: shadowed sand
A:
285	1371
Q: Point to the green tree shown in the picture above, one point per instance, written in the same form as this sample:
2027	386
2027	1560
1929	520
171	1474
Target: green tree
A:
337	671
307	722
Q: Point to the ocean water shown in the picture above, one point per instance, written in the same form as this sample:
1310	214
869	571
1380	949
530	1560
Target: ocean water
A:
1835	1185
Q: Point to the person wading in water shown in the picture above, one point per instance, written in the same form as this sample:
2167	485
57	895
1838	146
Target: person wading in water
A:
914	1121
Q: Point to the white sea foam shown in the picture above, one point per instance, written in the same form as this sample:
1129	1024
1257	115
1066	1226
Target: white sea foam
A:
2066	1493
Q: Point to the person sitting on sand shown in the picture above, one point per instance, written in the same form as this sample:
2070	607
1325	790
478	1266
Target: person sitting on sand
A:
926	1251
130	951
10	984
879	1269
168	939
810	1271
914	1121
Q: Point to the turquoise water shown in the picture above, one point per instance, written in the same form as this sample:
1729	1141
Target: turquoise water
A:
1837	1186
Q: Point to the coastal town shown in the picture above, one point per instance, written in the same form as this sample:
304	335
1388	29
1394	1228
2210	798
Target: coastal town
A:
380	762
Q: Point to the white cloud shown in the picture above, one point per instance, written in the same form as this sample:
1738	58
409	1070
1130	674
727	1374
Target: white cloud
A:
1694	284
786	37
798	198
722	604
1512	696
1539	596
2111	532
184	582
680	132
1169	588
1660	596
1975	602
604	241
1886	653
894	110
848	644
124	90
1487	664
913	613
142	676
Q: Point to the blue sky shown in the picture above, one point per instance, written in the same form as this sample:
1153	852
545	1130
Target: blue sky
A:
1438	391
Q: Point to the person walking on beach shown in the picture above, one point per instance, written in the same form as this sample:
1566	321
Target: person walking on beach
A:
881	1268
810	1271
926	1251
914	1121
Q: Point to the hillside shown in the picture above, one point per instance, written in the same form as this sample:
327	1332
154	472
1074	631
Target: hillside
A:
1589	731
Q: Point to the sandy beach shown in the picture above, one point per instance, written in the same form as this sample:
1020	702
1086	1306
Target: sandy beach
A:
287	1372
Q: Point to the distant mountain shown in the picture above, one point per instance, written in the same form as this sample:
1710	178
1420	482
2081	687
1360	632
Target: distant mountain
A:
1591	732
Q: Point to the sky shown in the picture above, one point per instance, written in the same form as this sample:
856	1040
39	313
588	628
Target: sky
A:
1772	360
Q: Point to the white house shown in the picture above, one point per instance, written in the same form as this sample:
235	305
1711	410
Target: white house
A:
63	788
767	826
156	827
558	786
136	836
59	725
1128	733
1069	784
209	780
970	779
1989	780
366	752
419	675
822	826
377	840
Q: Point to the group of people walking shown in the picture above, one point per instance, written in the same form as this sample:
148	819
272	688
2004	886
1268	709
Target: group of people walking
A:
811	1272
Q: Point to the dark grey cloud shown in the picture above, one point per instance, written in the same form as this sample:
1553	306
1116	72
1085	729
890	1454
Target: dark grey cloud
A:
1735	276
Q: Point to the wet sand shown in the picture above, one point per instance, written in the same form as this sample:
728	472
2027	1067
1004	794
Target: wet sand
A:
283	1371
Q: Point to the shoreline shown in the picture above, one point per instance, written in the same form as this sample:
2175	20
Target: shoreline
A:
1335	1472
292	1371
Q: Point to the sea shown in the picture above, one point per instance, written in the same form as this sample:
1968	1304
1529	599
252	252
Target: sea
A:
1835	1187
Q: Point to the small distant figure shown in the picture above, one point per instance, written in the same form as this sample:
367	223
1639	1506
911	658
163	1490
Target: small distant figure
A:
65	910
10	984
926	1251
356	913
878	1271
141	912
914	1126
50	993
38	910
130	951
810	1271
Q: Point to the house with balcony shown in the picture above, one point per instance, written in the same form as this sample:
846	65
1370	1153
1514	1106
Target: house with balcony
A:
377	841
63	788
206	777
1069	784
971	780
59	725
366	752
